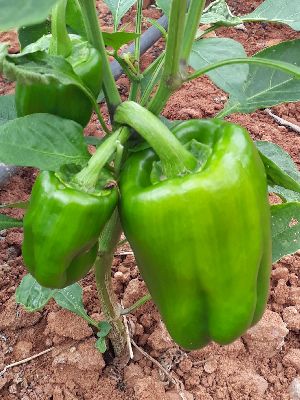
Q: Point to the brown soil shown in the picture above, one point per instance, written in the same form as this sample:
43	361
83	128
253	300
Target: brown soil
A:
263	365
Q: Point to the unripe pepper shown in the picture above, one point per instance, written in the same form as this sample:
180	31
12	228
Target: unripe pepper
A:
202	240
66	101
61	230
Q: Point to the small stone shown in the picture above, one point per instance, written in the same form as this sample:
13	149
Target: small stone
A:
294	389
185	365
210	366
160	339
67	324
175	395
22	349
292	359
281	292
280	273
132	373
291	317
295	296
266	338
149	389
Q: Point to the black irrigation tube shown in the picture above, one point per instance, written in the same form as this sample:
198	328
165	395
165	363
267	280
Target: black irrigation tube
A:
148	39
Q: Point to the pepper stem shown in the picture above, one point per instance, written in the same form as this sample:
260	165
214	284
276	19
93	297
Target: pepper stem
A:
176	160
60	42
88	177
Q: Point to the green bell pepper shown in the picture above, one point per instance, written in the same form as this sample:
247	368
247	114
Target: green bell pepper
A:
61	230
66	101
202	240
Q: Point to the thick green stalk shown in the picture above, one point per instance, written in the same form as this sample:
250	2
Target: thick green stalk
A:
192	23
137	49
176	160
60	42
171	78
95	37
108	241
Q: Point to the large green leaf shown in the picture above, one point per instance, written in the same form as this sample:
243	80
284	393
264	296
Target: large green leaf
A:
70	298
43	141
17	13
285	229
280	168
265	86
118	39
30	34
118	9
219	13
280	11
209	51
32	295
7	108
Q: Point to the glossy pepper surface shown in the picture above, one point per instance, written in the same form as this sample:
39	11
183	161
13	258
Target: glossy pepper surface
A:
61	230
202	241
66	101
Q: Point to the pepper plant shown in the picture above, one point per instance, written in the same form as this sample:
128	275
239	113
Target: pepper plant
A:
190	196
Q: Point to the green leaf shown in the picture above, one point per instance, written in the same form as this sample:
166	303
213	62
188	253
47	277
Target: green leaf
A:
209	51
265	86
104	327
3	54
17	13
32	295
20	204
219	13
101	345
70	298
285	194
7	108
93	140
40	67
118	39
279	166
285	229
30	34
74	18
165	5
7	222
118	9
43	141
279	11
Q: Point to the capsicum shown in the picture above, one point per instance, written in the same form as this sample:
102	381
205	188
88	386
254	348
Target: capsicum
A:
200	230
64	100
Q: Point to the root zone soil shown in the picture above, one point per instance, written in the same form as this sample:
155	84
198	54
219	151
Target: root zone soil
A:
264	364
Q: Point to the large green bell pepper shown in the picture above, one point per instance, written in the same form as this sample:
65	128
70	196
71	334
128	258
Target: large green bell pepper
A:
61	230
202	241
66	101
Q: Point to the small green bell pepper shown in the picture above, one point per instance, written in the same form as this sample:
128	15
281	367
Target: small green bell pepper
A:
66	101
202	240
61	230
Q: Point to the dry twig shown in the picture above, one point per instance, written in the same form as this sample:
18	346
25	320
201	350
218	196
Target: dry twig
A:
283	122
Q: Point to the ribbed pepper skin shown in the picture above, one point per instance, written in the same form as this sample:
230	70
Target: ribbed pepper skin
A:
61	230
202	241
66	101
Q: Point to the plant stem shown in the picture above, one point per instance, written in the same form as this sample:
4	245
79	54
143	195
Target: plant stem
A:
171	77
137	49
192	22
136	305
176	160
107	244
60	44
276	64
95	37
